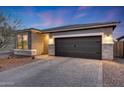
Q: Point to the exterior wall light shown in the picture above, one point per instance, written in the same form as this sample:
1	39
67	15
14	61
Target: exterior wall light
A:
51	39
108	39
108	35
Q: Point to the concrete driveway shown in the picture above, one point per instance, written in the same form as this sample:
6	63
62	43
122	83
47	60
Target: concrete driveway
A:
55	72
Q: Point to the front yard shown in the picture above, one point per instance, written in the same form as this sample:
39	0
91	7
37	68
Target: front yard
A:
5	49
62	71
6	63
113	73
53	71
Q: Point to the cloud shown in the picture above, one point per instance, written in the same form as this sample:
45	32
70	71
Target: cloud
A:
28	11
83	8
80	15
81	12
36	25
58	22
59	18
50	18
47	19
112	14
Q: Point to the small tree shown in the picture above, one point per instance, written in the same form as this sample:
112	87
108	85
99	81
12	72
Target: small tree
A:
8	29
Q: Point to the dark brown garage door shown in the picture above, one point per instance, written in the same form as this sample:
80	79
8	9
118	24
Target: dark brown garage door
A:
82	47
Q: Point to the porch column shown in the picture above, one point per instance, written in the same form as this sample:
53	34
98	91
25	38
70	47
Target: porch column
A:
51	50
30	40
51	45
107	51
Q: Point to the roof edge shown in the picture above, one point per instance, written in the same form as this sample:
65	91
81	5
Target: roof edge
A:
29	29
113	24
99	25
120	38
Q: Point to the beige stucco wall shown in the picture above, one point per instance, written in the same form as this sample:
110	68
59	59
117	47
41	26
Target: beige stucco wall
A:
37	42
45	43
104	32
107	30
40	42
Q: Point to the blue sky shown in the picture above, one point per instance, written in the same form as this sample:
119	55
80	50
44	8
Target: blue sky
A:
52	16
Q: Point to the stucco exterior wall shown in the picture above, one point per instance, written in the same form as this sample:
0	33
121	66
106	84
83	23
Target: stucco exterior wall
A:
107	46
40	43
45	43
106	30
37	43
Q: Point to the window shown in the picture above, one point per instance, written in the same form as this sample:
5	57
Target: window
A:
19	46
22	41
25	41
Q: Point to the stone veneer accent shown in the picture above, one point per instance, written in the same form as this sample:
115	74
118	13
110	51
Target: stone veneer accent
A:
107	51
51	50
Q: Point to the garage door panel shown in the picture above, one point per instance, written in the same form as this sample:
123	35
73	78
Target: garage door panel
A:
80	55
84	47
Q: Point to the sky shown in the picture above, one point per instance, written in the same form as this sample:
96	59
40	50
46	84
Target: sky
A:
42	17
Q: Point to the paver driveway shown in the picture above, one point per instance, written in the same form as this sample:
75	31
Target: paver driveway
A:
55	72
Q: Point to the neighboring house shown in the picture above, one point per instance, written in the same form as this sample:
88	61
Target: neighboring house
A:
83	40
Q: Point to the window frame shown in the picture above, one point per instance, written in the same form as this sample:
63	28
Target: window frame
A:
22	40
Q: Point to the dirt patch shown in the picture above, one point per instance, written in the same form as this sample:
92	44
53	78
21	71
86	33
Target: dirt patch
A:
113	73
14	62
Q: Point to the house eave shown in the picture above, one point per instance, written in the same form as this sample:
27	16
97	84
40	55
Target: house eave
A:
30	30
110	24
84	28
122	37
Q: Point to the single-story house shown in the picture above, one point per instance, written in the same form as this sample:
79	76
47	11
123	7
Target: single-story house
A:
82	40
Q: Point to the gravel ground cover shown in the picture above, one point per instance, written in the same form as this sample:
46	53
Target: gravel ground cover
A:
6	63
113	73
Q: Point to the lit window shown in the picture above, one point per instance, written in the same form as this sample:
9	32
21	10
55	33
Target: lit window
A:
22	41
19	46
25	41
